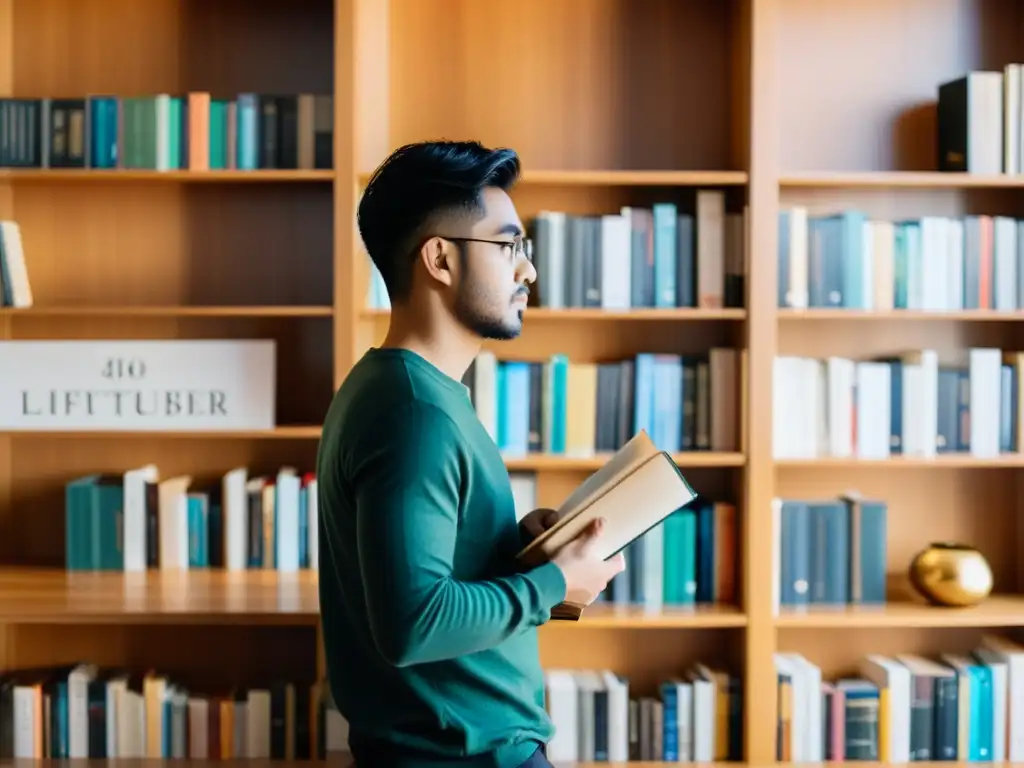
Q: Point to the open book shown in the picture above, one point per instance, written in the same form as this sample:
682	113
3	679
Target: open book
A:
634	491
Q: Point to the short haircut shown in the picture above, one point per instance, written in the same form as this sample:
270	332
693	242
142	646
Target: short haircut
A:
421	186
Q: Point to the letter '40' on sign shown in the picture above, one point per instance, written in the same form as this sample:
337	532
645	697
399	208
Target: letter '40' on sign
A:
119	368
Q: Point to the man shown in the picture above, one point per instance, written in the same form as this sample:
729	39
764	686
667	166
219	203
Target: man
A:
429	626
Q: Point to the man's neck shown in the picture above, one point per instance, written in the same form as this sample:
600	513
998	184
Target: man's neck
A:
445	345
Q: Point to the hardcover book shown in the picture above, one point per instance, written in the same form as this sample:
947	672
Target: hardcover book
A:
634	491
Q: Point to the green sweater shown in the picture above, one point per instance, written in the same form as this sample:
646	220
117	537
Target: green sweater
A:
429	629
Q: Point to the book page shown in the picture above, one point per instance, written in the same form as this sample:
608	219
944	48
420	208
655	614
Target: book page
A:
626	460
630	508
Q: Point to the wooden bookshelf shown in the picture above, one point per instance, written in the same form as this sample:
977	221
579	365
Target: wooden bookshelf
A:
576	160
143	254
655	102
33	595
908	179
591	315
125	311
874	150
105	176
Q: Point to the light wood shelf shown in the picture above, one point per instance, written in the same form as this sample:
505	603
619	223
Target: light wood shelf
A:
544	462
898	179
624	178
284	432
190	763
128	311
941	461
206	597
35	595
997	611
535	315
899	315
93	175
616	617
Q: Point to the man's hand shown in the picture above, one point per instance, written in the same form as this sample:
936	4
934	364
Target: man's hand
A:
536	522
586	574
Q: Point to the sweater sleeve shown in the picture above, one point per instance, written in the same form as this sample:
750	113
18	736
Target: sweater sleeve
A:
407	509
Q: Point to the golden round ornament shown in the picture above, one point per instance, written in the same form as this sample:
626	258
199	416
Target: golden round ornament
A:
951	574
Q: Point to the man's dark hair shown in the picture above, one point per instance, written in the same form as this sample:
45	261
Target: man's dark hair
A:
418	187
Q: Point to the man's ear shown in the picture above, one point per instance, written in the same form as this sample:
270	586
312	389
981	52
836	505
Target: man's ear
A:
436	255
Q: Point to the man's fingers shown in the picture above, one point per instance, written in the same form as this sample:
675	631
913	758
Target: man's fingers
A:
617	564
532	526
589	534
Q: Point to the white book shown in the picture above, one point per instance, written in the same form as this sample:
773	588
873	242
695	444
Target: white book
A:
616	261
235	512
173	522
985	391
134	538
873	408
563	708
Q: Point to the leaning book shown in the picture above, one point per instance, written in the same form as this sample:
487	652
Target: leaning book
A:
636	489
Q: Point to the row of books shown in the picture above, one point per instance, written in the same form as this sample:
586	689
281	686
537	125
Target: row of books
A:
15	289
195	131
980	122
830	551
565	407
660	256
137	521
849	260
905	708
87	711
694	717
909	404
689	558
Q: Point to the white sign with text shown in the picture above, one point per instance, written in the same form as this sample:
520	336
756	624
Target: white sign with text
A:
170	385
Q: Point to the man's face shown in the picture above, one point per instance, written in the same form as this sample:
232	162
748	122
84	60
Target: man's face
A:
490	298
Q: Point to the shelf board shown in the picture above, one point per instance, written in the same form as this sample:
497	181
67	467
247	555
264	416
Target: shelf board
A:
945	460
536	462
856	315
604	616
342	759
625	178
636	178
262	596
288	432
545	462
87	175
996	611
187	597
169	311
534	314
908	179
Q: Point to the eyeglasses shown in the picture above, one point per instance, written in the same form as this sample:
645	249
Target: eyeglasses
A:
513	250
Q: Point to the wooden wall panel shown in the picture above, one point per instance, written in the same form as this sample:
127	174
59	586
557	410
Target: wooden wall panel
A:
881	112
107	242
567	94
